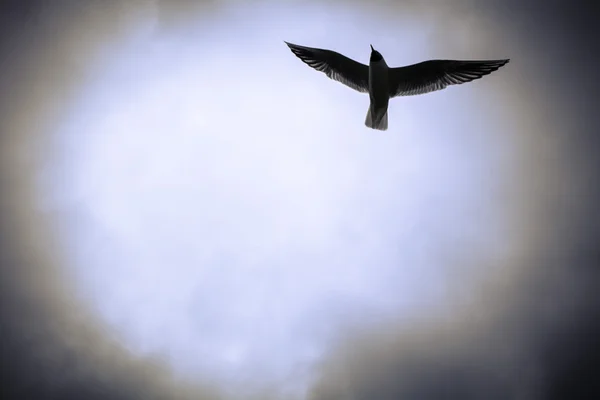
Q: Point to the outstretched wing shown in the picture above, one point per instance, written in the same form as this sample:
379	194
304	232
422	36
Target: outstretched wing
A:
336	66
433	75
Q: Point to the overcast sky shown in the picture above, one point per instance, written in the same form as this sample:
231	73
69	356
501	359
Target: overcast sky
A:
207	200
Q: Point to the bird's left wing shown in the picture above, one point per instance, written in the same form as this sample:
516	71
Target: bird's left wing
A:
336	66
432	75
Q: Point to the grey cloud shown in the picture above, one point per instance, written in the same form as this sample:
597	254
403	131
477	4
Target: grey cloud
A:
527	338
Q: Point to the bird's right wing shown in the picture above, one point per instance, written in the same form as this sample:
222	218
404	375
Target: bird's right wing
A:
336	66
433	75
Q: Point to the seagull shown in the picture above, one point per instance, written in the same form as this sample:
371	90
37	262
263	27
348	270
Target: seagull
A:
383	83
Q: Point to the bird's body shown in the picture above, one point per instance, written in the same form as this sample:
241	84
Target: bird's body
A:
378	94
383	83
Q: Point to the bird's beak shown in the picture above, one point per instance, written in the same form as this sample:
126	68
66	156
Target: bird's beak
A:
372	49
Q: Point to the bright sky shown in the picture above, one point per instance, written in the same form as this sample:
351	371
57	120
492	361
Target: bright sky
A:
229	210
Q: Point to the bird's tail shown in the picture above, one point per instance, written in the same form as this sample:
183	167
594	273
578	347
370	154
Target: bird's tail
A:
380	123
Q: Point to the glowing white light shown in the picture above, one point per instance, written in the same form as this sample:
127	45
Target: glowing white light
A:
233	212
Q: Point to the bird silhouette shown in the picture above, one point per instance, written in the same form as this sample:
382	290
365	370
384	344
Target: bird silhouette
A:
383	83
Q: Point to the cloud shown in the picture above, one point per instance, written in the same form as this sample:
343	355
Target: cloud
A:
525	334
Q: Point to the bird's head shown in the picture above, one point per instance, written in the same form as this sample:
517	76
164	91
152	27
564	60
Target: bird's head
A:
375	55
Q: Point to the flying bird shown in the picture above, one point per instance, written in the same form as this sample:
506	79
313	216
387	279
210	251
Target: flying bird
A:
383	83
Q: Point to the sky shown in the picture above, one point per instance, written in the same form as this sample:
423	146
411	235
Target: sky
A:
193	212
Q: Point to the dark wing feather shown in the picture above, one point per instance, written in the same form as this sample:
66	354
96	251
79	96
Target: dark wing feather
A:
433	75
336	66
